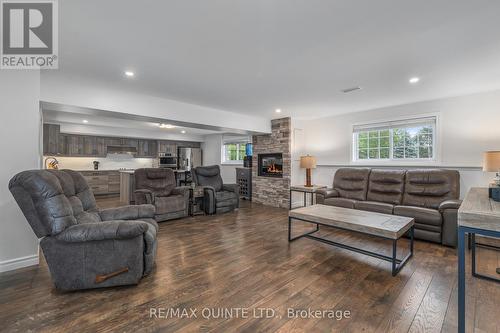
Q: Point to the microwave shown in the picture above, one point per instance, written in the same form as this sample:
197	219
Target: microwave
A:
167	160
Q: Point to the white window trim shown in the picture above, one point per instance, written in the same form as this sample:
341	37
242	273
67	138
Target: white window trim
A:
400	162
223	154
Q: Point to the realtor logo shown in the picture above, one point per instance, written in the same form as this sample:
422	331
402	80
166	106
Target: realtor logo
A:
29	34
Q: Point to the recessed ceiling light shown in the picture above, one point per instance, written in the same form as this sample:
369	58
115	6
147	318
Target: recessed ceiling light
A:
183	132
85	121
129	73
167	126
414	80
278	110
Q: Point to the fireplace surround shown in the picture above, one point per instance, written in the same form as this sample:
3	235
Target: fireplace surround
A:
270	165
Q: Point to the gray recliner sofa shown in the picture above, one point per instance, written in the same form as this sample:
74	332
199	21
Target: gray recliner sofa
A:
430	196
219	197
85	247
158	187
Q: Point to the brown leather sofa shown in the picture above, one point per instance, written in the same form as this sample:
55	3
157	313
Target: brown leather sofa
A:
157	187
430	196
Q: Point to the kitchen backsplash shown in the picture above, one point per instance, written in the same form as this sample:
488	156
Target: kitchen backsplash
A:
111	162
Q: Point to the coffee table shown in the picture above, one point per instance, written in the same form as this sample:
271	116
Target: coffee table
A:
385	226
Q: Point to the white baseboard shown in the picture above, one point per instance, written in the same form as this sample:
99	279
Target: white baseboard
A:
9	265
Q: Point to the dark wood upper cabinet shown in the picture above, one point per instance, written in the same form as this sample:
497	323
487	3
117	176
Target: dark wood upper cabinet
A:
64	144
167	147
147	148
51	134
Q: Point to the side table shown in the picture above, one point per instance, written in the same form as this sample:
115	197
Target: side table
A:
304	189
478	215
197	194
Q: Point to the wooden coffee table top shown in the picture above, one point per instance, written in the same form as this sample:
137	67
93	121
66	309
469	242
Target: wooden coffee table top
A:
377	224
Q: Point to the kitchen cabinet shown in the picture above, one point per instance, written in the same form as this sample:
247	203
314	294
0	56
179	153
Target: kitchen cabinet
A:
65	144
76	145
103	182
100	147
147	148
167	147
112	141
51	134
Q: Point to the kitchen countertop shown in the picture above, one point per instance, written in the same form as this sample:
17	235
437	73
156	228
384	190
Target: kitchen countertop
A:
119	170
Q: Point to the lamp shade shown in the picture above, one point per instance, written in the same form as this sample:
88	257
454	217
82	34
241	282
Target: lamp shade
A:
491	161
308	162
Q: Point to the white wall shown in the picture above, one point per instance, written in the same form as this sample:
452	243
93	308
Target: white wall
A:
95	95
212	153
468	125
20	146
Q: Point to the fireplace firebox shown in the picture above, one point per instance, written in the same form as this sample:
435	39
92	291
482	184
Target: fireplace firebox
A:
271	165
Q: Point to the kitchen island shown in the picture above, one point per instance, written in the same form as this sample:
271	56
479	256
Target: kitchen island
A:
127	187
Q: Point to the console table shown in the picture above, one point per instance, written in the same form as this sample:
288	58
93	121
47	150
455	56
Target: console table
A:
478	215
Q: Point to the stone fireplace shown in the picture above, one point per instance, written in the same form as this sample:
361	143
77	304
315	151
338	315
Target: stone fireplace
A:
271	165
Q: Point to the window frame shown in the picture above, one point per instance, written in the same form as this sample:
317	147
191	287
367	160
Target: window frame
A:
391	160
238	150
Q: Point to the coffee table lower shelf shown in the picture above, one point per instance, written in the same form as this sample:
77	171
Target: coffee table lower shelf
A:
397	264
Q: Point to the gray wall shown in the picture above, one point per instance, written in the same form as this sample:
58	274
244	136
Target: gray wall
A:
20	145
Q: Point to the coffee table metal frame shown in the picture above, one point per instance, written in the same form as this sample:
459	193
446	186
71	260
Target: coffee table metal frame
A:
397	264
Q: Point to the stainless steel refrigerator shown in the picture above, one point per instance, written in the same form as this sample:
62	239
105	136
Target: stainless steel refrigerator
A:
188	158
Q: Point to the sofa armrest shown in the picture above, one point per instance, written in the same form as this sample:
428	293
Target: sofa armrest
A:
181	190
232	188
135	212
328	192
144	196
209	200
324	193
97	231
450	204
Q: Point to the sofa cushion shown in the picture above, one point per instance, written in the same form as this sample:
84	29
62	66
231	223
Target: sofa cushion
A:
351	183
386	186
208	176
160	181
373	206
428	188
427	235
340	202
421	215
173	203
428	227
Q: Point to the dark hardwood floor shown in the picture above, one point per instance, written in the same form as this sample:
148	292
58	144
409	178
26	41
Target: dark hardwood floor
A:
243	260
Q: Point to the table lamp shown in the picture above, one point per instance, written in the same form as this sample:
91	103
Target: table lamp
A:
308	163
491	163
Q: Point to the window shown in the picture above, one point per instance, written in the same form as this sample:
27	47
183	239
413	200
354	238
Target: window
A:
233	149
411	139
234	152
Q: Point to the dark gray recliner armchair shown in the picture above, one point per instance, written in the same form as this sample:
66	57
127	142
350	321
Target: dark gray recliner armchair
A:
158	187
219	197
85	247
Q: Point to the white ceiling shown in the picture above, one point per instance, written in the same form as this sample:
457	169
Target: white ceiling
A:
254	56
